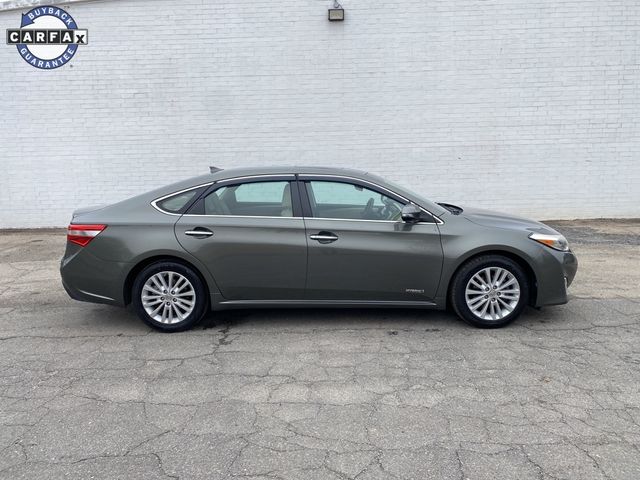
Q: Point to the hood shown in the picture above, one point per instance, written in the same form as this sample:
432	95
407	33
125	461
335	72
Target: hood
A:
488	218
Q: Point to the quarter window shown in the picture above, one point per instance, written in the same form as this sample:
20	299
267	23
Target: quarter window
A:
262	199
178	202
350	201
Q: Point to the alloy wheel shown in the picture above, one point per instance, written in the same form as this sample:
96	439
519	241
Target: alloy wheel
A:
168	297
492	293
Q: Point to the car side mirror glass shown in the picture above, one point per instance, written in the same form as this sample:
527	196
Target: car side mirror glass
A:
411	214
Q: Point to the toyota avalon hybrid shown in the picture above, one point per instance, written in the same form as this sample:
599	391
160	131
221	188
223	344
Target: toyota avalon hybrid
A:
309	237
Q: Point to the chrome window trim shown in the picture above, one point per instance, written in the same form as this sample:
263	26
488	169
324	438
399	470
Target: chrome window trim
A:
194	215
302	218
437	219
267	175
154	202
288	176
363	220
237	216
293	176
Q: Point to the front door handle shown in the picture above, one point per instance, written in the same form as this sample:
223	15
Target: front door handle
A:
324	237
199	232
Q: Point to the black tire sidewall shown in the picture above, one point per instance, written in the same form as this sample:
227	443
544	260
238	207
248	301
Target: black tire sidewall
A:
468	270
201	296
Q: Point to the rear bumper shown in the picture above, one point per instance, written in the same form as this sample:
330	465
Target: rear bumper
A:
84	296
88	278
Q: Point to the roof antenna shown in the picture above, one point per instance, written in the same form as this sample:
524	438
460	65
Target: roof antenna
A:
213	169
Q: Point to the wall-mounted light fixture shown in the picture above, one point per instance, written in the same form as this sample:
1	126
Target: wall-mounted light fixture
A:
336	14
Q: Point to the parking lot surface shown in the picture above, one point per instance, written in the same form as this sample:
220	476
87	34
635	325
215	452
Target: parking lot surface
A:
88	391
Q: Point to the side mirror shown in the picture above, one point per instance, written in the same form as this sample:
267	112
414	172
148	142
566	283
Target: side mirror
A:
411	214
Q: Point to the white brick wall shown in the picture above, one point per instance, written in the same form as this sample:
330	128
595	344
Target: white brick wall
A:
528	107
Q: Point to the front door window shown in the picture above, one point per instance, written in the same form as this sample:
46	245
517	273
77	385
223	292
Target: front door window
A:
352	202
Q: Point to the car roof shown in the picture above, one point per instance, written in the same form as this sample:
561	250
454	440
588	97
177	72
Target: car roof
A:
285	169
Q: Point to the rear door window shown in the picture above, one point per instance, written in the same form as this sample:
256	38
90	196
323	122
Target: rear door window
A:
260	199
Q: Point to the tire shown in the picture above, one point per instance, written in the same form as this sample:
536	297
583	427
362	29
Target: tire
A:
177	312
508	292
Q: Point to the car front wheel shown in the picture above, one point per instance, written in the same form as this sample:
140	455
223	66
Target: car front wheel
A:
490	291
169	296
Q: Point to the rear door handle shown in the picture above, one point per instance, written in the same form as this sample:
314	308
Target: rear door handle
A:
324	237
199	232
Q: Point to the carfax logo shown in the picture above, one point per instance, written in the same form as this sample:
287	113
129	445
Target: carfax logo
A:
48	37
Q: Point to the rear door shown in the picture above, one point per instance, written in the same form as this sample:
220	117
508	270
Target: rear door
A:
250	234
361	250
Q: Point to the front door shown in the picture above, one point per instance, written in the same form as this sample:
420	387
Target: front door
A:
251	237
361	250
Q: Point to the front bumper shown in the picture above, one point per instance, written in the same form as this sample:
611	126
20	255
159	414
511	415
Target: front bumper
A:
569	266
556	271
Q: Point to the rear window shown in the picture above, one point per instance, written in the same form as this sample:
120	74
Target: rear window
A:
179	202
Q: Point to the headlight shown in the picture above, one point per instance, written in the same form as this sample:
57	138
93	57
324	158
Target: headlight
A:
557	242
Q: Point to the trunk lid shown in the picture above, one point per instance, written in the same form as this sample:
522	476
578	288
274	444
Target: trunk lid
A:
83	210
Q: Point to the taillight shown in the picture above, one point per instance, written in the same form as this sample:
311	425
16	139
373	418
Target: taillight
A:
83	234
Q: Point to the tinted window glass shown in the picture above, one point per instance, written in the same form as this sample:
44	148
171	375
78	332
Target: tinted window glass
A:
349	201
266	192
263	199
177	203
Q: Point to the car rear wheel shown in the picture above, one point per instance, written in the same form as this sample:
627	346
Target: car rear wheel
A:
490	291
169	296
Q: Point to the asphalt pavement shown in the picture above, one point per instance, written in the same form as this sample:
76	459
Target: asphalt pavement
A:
88	391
